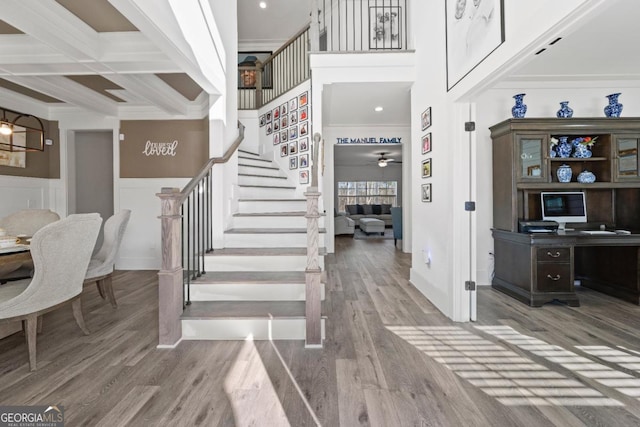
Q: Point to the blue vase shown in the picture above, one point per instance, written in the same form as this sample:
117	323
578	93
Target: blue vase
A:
564	148
586	177
564	173
519	109
552	152
581	151
614	109
564	112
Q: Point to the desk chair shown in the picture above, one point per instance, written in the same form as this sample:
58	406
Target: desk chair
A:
102	263
61	253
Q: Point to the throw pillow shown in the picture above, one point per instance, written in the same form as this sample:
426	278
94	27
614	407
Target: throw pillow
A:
386	210
360	210
377	209
367	209
352	209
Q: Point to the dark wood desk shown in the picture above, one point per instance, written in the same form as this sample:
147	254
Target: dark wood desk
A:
540	268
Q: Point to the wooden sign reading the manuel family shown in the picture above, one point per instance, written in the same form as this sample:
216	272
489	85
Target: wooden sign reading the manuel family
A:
380	140
163	149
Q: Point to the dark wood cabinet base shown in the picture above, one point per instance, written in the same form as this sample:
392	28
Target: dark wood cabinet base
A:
535	299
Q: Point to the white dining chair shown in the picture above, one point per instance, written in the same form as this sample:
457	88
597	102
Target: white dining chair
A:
103	262
61	252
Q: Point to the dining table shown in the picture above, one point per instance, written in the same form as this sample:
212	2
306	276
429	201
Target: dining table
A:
13	258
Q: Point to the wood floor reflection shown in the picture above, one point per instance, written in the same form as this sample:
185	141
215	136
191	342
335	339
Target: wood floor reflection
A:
390	359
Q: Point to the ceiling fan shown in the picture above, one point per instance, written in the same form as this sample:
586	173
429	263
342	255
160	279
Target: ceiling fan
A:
384	161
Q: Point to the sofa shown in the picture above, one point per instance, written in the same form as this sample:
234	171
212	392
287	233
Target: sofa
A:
381	212
344	225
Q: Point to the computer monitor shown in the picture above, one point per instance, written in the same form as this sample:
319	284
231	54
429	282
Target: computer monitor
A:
563	207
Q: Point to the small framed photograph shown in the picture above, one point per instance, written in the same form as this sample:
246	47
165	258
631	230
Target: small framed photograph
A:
293	162
276	125
284	121
293	104
304	177
426	192
385	27
304	144
284	150
269	128
293	118
426	168
304	160
293	147
293	132
304	128
276	138
276	113
302	114
268	116
426	143
283	109
425	118
284	136
303	98
263	120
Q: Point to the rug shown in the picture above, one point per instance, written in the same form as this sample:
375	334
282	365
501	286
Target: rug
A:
361	235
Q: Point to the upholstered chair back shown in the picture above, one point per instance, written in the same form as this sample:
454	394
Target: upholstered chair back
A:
27	221
103	261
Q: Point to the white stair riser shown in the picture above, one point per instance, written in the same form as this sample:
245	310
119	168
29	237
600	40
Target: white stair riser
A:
272	206
268	240
250	292
265	193
272	222
252	162
258	171
241	329
262	180
257	263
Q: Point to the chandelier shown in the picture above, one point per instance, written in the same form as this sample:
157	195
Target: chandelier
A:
24	133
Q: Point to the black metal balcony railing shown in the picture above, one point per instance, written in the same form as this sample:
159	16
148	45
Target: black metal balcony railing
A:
282	71
361	25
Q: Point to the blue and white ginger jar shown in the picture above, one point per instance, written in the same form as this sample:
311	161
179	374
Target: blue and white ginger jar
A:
564	173
614	109
565	111
564	148
586	177
519	109
581	151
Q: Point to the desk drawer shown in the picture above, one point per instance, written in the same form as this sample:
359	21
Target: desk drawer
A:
554	277
554	254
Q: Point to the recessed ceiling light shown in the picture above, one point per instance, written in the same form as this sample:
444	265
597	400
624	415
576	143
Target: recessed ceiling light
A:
263	4
378	108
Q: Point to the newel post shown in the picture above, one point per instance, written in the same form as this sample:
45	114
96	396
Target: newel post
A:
170	274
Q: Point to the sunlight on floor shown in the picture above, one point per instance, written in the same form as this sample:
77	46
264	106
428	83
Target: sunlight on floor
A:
622	382
499	372
250	391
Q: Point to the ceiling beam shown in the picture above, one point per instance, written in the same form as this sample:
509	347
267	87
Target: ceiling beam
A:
68	91
152	89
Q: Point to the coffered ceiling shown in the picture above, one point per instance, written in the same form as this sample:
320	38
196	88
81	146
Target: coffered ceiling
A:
111	57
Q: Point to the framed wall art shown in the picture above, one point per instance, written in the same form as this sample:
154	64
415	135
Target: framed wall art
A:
304	144
385	24
293	162
269	128
293	104
425	118
293	147
426	143
426	168
303	99
293	118
284	150
426	192
304	160
475	28
263	120
302	114
304	129
284	136
247	78
304	177
293	132
276	138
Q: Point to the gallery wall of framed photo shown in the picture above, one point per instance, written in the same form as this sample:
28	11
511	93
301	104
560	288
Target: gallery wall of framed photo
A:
285	131
426	120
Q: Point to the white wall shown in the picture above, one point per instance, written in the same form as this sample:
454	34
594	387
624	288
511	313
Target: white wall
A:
460	166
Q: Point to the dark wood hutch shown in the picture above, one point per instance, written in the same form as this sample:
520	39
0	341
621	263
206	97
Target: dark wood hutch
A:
539	268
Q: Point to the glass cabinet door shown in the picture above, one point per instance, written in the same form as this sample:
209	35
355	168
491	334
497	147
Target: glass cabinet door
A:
531	153
626	154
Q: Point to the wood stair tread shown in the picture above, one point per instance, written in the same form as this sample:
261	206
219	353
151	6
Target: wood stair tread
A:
272	200
263	252
256	214
262	176
248	152
267	186
258	167
254	159
244	310
270	231
254	277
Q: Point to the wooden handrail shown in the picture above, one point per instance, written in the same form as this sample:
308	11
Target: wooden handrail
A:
284	46
205	169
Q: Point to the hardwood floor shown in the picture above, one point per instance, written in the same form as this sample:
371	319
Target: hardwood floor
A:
390	359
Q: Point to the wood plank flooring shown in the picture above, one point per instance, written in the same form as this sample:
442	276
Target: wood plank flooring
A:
390	359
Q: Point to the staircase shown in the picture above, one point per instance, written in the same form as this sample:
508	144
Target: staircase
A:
255	286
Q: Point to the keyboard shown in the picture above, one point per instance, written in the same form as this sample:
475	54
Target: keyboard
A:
597	232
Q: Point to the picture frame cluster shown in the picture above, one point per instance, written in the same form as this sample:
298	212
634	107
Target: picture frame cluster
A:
289	127
425	142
